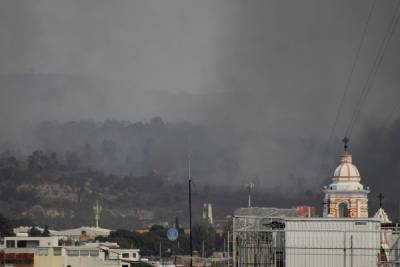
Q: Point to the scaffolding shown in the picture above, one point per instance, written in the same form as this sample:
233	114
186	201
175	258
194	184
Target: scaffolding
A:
269	238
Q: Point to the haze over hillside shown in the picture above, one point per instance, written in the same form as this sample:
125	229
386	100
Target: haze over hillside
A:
257	84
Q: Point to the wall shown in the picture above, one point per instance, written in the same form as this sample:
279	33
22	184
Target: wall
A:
49	260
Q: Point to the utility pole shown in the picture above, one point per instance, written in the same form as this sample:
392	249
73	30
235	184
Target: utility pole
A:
202	249
160	253
228	249
190	213
224	248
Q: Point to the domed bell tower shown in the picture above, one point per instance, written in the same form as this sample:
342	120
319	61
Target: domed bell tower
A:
346	197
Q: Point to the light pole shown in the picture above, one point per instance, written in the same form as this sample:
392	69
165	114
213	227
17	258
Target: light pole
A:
190	214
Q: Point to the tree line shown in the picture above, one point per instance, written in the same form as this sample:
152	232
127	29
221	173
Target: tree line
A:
204	237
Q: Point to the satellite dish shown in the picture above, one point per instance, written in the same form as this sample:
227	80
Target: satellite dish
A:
172	234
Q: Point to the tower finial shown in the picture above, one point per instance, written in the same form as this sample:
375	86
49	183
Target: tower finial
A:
381	197
346	141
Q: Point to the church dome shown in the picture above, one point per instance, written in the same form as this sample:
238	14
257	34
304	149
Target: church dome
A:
382	216
346	170
346	196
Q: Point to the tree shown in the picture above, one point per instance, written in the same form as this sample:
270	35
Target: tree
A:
124	238
158	230
46	231
6	228
34	232
204	232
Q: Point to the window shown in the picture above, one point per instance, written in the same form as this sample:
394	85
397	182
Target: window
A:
360	223
73	252
343	210
134	255
94	253
84	252
43	251
125	255
57	251
125	265
27	243
10	243
21	244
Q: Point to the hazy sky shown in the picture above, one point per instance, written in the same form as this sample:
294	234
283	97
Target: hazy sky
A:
270	71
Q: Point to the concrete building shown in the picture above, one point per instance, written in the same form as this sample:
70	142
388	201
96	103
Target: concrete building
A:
30	242
76	233
296	242
49	252
93	255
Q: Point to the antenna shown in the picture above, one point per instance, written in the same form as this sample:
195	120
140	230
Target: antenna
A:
97	210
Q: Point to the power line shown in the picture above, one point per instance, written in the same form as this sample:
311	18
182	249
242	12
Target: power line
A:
353	67
374	70
350	77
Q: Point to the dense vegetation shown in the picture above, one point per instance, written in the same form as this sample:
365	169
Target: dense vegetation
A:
149	242
47	190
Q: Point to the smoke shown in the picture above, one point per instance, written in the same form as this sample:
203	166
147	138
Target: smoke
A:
284	71
377	157
266	76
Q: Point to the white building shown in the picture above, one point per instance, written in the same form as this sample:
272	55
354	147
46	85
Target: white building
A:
49	252
75	234
331	242
30	242
278	241
98	255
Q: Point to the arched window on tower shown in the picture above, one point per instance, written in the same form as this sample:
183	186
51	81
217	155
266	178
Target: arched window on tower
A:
343	210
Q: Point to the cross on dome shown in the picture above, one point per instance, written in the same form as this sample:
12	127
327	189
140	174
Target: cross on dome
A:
380	197
346	141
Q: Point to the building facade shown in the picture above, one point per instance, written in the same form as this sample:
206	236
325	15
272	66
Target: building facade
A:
346	197
50	252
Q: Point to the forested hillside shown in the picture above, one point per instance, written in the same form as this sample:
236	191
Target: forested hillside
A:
125	148
45	190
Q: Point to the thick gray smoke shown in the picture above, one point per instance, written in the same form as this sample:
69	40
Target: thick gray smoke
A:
266	76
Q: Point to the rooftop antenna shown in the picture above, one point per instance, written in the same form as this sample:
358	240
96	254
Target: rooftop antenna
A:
250	186
190	212
380	197
97	210
346	141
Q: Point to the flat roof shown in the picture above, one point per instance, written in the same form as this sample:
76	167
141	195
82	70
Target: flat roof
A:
331	219
264	212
